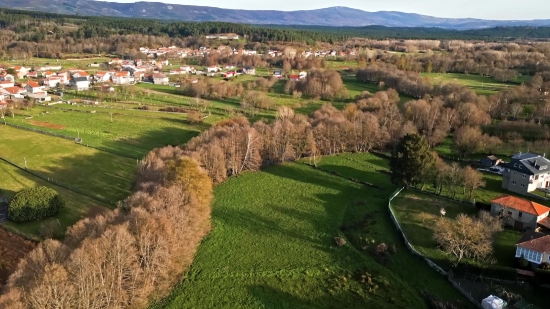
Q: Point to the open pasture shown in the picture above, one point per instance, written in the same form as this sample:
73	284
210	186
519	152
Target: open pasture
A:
480	84
272	247
127	133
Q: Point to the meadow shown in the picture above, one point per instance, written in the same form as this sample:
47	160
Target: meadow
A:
123	132
273	246
480	84
99	174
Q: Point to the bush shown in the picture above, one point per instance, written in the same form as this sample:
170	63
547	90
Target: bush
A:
34	204
523	262
339	241
486	270
545	266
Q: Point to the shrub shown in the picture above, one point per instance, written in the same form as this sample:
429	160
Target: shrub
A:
339	241
34	204
523	262
49	229
381	248
545	266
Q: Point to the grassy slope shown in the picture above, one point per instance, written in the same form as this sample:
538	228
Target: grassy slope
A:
128	133
480	84
77	206
105	175
272	247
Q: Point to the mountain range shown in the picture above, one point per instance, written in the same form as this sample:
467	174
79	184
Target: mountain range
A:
333	16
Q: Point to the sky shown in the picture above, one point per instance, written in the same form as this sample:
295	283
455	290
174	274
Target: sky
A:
484	9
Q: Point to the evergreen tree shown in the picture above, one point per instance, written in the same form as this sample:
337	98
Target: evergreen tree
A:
411	161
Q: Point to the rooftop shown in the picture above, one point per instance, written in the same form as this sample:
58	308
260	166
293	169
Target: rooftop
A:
532	240
521	205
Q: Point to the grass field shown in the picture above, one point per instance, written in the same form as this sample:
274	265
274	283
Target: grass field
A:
106	175
129	133
417	214
272	246
480	84
77	206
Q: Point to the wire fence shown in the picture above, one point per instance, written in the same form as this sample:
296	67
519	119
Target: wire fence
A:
457	285
60	184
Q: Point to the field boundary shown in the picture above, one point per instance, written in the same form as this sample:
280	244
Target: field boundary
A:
72	138
60	184
428	261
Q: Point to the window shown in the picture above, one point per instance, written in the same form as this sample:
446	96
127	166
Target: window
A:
536	177
522	185
530	255
510	213
523	176
519	214
515	165
513	182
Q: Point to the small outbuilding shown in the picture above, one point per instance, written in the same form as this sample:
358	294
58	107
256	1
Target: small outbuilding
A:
490	161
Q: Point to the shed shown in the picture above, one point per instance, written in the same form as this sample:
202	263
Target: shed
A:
490	161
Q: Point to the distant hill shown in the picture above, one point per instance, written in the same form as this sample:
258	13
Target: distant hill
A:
334	16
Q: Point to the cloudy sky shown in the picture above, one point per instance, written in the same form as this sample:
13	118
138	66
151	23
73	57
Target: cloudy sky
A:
486	9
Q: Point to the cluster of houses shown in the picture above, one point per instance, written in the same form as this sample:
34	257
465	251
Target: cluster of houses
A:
173	52
525	173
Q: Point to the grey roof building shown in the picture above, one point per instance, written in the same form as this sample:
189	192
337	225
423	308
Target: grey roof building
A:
526	172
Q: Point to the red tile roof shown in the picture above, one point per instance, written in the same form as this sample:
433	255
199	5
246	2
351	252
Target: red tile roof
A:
535	241
33	84
14	90
521	205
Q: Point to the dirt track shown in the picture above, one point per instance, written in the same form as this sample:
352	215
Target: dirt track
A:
47	125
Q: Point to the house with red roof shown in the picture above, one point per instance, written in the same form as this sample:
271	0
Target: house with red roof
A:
294	77
122	78
6	84
534	246
33	74
33	87
13	92
20	71
520	213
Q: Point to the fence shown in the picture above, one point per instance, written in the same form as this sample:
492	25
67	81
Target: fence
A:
428	261
72	138
60	184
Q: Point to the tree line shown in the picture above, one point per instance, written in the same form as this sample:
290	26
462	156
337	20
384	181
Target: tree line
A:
128	257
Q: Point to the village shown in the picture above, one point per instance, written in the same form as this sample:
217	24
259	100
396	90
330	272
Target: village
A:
42	82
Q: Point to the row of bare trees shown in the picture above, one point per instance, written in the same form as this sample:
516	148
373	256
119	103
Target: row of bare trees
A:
127	257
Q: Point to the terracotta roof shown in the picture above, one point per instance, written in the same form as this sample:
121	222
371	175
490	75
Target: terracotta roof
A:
294	76
6	82
82	73
49	73
13	90
545	222
33	84
122	74
521	205
535	241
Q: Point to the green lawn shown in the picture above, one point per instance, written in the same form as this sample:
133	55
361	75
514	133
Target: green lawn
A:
77	207
102	174
272	247
128	133
504	246
480	84
417	214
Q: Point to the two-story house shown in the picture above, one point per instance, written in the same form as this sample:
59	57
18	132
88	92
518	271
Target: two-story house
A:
79	83
34	87
160	79
525	173
519	213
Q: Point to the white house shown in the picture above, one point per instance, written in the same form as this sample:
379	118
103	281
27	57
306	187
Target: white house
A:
122	78
13	92
34	87
81	74
7	77
20	71
213	68
79	83
40	96
6	84
160	79
102	76
53	81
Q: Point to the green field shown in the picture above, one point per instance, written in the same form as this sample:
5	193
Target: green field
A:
272	245
77	205
480	84
106	175
417	214
120	131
